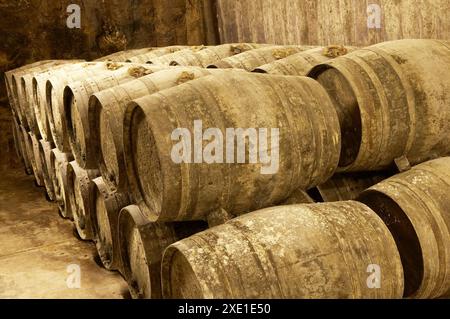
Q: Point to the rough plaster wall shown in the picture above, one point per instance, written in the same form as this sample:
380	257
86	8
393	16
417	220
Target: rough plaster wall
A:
324	22
32	30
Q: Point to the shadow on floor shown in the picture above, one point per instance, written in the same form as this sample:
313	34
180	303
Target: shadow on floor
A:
39	255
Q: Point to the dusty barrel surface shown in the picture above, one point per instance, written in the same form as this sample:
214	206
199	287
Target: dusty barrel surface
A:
81	193
348	186
76	106
13	90
26	83
39	94
254	58
155	53
392	100
28	150
59	163
55	157
415	205
22	90
21	147
45	151
39	98
301	63
123	56
107	206
297	251
106	114
28	143
168	58
142	244
17	140
210	55
54	96
33	145
9	83
169	184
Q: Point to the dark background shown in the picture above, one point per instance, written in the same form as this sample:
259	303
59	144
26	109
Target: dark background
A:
33	30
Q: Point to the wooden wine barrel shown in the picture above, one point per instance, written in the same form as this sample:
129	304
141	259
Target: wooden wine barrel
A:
347	186
123	56
142	244
45	150
54	95
51	168
59	163
38	89
302	63
21	90
20	146
15	90
33	145
392	100
296	110
76	107
250	60
168	58
26	149
12	88
297	251
17	143
81	192
106	111
107	206
39	100
26	82
210	55
144	57
415	206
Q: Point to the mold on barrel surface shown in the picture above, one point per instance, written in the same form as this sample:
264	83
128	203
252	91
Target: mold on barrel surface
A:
301	63
105	218
76	106
106	113
252	59
392	101
59	163
142	244
169	191
416	208
296	251
212	54
81	193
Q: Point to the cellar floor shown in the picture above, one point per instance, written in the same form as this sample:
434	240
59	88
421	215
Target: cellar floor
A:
39	255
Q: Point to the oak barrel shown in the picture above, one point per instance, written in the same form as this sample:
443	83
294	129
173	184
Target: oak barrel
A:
107	206
392	100
81	193
250	60
76	106
296	110
142	244
415	205
288	252
301	63
106	113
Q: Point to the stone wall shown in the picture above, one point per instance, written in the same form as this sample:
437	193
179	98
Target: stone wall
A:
33	30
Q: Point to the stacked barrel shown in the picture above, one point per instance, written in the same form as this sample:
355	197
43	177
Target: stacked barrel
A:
356	205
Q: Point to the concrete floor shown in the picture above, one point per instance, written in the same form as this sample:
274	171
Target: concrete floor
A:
39	255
